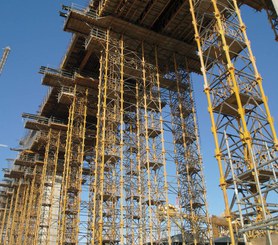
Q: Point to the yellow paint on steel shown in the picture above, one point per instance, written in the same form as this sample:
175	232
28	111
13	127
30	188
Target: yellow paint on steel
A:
30	205
23	209
223	183
66	169
122	141
146	138
96	167
57	137
3	222
246	138
200	163
8	223
80	158
183	126
15	213
142	225
42	189
166	189
99	229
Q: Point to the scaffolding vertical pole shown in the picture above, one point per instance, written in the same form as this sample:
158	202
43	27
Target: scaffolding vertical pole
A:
3	218
41	191
122	223
73	166
235	184
207	232
163	150
31	201
5	223
63	195
5	200
142	224
20	229
111	148
108	207
9	236
17	214
57	138
147	147
101	146
95	169
49	186
83	112
188	159
176	150
185	138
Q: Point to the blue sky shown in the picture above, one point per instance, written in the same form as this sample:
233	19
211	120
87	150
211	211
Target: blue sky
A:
34	31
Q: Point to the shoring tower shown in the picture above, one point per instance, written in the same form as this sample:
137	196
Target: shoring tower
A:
113	156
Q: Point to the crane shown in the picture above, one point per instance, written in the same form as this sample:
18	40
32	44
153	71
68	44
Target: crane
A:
4	58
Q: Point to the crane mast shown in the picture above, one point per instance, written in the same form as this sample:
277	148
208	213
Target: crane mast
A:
4	58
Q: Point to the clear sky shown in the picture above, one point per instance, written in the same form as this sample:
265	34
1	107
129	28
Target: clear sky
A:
34	31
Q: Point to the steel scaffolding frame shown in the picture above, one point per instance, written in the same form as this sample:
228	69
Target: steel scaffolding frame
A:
28	235
243	129
131	154
68	220
51	190
136	177
19	213
5	207
24	223
188	157
107	210
11	221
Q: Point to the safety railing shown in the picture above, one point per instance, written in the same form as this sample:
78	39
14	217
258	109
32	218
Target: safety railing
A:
60	72
88	11
42	120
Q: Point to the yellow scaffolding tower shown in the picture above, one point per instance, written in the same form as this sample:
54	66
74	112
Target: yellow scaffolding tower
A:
243	129
192	191
142	167
69	216
131	183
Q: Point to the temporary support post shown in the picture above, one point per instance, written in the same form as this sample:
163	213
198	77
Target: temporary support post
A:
147	148
21	223
238	106
57	138
5	221
141	237
30	207
10	228
189	167
65	180
73	166
163	150
100	146
95	170
122	224
42	190
4	216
